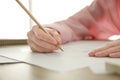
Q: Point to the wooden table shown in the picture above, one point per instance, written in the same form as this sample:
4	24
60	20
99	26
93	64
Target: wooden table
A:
23	71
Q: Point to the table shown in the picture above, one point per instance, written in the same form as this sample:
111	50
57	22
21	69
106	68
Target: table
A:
72	64
23	71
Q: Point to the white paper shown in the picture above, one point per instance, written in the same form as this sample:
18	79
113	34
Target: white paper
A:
75	56
4	60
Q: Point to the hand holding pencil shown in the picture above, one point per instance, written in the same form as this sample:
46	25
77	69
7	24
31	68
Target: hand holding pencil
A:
39	41
42	39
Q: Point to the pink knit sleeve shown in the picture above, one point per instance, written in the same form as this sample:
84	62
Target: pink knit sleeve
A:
84	24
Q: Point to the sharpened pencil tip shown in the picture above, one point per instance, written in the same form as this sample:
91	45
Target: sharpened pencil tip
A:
60	48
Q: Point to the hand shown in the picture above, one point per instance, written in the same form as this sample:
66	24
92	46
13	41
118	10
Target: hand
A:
39	41
112	49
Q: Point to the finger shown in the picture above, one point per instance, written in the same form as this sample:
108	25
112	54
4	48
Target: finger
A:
115	55
36	48
29	43
104	53
55	35
30	35
107	46
92	53
40	42
108	51
43	36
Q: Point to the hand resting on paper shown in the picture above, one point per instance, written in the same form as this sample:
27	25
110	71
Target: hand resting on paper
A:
111	49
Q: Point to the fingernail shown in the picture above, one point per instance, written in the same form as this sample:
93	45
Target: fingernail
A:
92	53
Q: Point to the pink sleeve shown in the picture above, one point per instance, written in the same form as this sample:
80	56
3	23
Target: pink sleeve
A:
83	24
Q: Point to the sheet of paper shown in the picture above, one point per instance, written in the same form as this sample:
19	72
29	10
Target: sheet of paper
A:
75	56
113	66
4	60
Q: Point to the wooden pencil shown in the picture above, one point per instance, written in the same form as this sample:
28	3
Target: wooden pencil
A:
35	20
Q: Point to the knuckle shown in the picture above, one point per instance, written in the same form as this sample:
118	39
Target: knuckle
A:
38	34
34	27
28	34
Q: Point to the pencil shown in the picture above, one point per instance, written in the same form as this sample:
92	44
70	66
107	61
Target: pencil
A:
35	20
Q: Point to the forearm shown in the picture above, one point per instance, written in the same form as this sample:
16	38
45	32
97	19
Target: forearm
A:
75	27
87	22
70	30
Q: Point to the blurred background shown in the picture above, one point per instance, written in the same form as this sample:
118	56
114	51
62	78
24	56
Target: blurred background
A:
15	23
